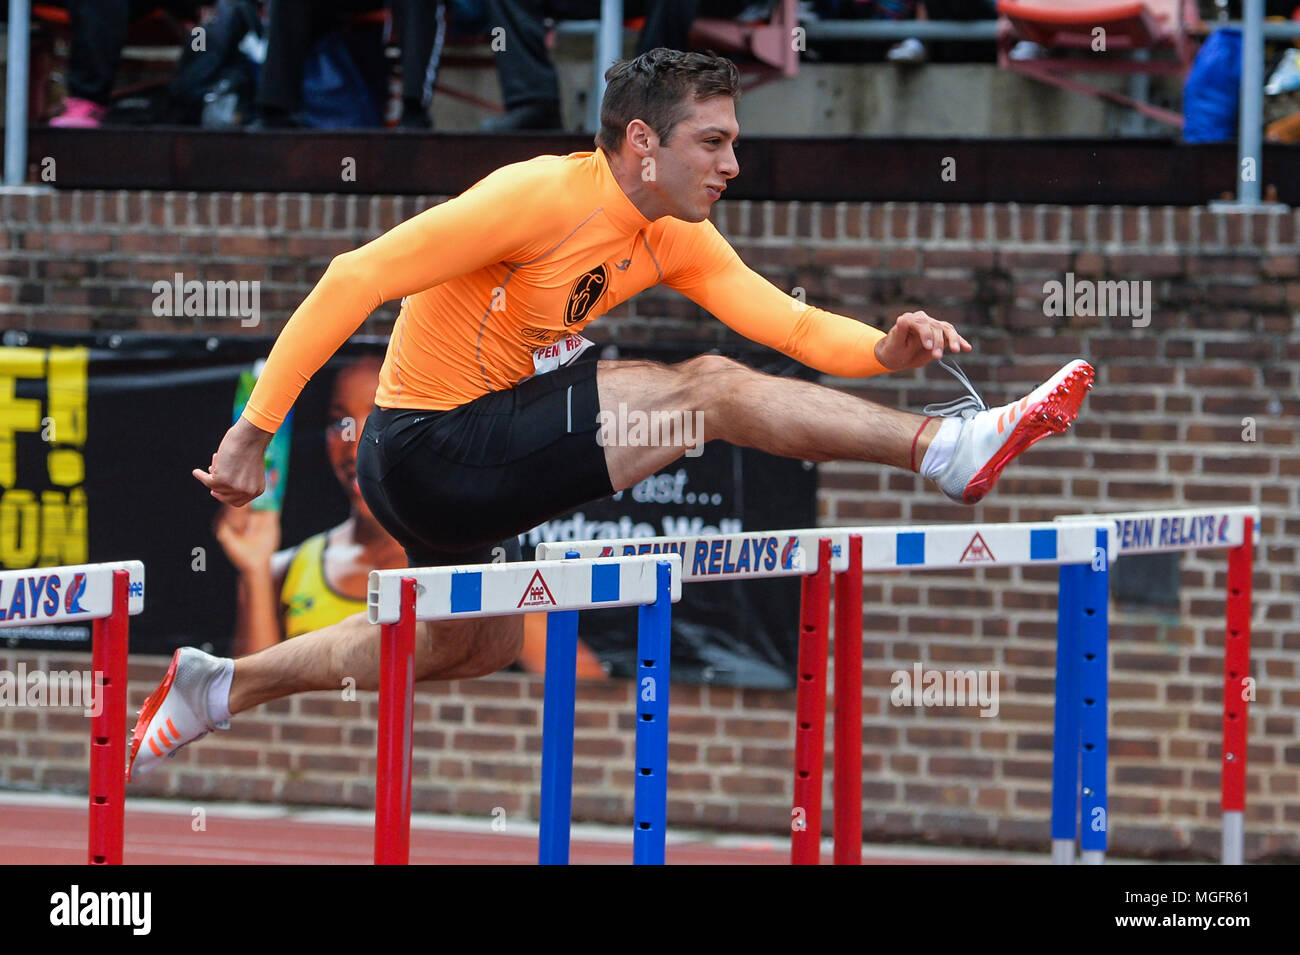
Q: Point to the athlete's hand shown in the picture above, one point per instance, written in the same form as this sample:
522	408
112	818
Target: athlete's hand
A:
238	470
917	339
249	537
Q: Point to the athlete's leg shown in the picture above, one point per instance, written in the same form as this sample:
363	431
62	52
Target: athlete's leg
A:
783	416
798	419
189	703
323	659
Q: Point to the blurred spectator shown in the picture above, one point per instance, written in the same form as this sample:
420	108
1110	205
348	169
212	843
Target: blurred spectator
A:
310	43
99	30
912	50
422	26
530	87
296	28
214	85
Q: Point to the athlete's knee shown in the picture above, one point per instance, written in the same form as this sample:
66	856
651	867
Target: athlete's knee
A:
707	380
479	649
498	646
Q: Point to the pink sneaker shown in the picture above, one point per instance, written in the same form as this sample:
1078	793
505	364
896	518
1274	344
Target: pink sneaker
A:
80	114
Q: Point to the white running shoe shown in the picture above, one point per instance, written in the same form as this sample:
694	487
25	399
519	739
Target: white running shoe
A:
910	50
176	713
1027	50
991	437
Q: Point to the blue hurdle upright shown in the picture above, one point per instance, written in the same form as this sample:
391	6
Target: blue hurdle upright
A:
397	599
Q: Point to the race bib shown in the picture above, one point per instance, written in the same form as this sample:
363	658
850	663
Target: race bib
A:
562	352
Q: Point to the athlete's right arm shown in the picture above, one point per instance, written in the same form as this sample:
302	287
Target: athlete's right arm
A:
493	221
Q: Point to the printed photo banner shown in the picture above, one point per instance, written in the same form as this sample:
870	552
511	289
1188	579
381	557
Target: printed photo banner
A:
99	434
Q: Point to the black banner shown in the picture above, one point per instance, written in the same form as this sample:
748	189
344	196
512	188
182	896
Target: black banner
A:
99	435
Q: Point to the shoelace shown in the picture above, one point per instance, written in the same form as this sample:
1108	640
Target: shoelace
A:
966	406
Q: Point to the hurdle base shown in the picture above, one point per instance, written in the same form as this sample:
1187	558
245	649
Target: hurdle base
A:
1234	838
1092	857
1062	852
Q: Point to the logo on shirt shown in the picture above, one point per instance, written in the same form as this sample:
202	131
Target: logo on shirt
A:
586	292
543	335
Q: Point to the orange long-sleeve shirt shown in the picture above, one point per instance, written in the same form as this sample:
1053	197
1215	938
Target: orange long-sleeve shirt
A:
522	259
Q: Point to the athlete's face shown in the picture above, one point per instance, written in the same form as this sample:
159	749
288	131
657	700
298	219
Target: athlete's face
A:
354	396
693	167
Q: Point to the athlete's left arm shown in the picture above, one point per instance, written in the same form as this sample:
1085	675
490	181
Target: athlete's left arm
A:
713	276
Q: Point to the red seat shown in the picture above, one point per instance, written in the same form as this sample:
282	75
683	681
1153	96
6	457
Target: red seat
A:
1161	28
771	43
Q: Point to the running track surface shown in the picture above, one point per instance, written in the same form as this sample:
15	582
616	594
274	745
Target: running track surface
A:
37	833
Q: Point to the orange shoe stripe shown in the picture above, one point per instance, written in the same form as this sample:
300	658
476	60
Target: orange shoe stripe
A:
172	729
154	746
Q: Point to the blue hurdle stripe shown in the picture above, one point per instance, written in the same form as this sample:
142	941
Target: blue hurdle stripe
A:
1042	544
909	548
604	582
467	592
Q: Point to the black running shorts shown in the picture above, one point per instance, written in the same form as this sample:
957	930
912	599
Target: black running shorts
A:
452	486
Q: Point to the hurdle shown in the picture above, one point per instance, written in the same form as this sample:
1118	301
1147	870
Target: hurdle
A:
1153	532
106	594
397	599
1083	547
813	554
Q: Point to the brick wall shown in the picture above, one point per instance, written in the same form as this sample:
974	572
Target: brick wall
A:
1164	427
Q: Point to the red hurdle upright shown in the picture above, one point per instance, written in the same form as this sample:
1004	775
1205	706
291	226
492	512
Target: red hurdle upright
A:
393	782
847	776
109	639
1236	702
810	710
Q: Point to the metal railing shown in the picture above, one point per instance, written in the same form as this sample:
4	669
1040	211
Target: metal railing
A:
608	33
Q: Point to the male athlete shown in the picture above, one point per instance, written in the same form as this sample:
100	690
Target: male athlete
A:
484	425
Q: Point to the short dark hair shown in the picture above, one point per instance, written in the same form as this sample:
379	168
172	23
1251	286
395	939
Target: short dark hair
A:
657	88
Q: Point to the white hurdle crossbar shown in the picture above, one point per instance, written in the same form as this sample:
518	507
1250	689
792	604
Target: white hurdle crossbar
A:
848	552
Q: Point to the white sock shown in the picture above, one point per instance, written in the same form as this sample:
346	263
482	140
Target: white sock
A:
939	453
219	693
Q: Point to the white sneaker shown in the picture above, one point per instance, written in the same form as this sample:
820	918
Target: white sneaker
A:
991	437
176	713
1027	50
910	50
